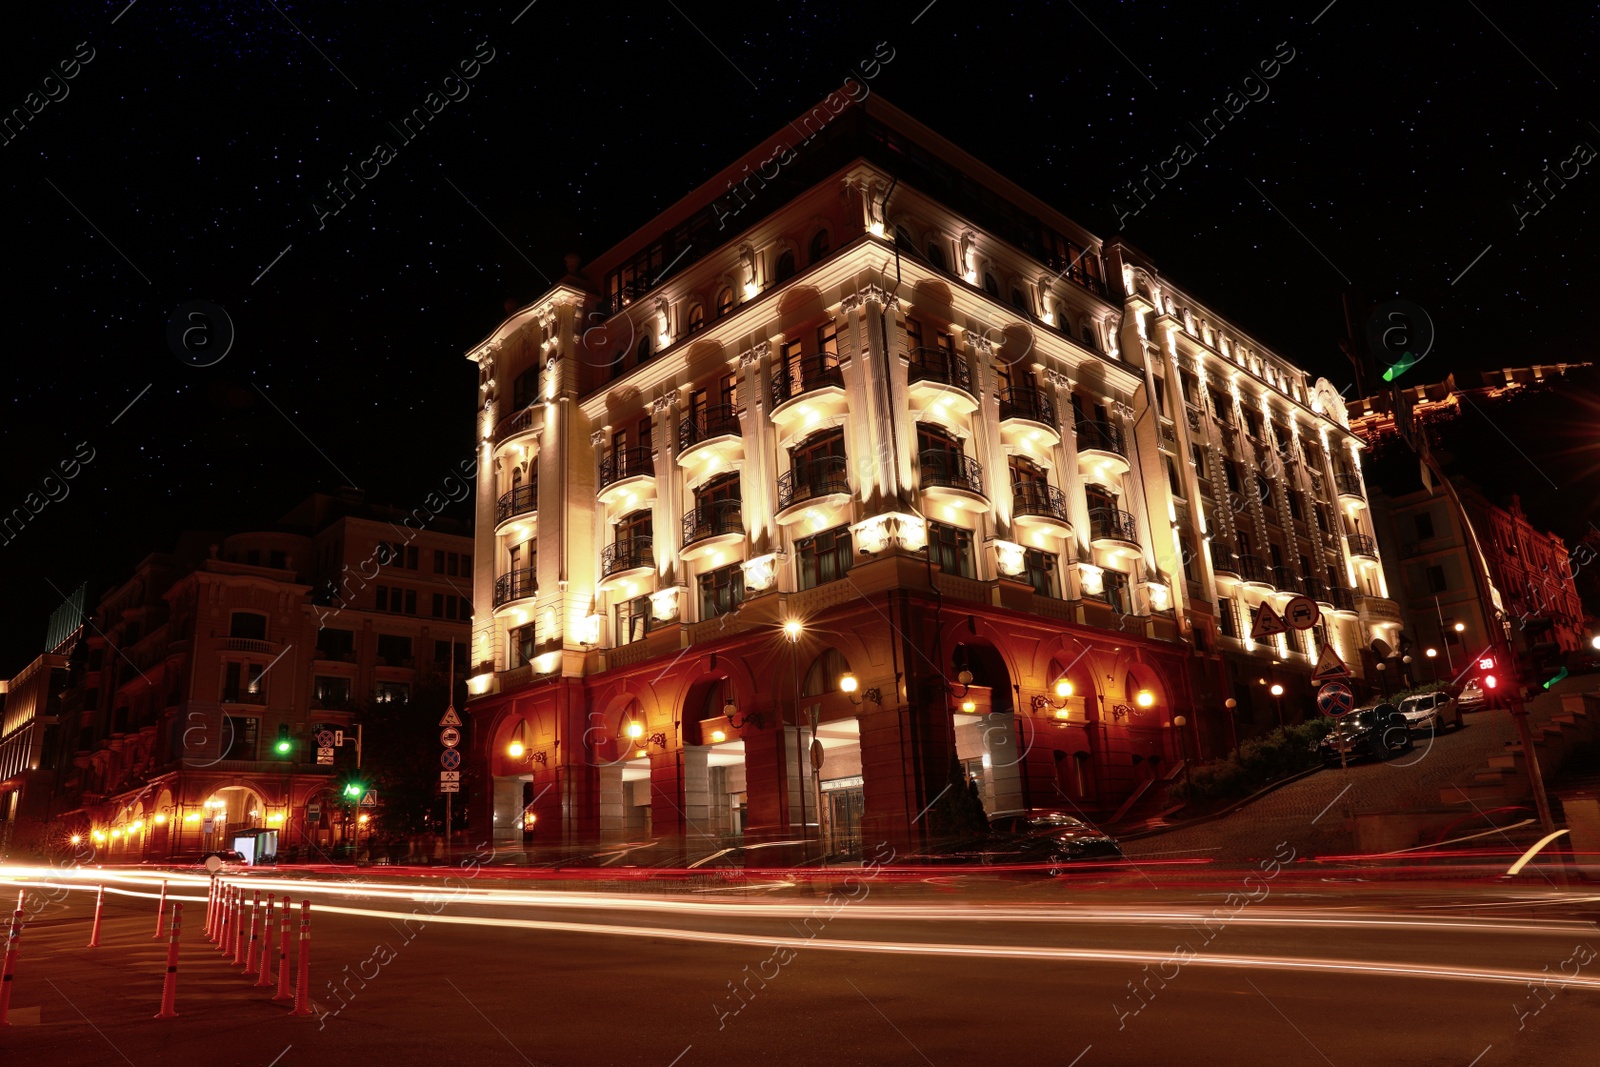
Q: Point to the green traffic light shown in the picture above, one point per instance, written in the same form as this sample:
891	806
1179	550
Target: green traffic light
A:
354	789
284	746
1405	363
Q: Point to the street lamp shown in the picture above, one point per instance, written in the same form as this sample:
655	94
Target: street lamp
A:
1277	698
1063	690
1383	678
1406	660
792	629
1596	641
849	685
1179	722
1433	663
1233	724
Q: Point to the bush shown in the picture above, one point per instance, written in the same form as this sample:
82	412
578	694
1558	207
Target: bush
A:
1260	760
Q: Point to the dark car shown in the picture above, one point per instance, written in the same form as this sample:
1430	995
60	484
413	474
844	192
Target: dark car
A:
1378	733
1048	840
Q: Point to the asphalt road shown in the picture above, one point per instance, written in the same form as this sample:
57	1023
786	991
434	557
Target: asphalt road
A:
970	972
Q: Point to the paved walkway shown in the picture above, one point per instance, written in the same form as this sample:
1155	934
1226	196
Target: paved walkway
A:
1310	815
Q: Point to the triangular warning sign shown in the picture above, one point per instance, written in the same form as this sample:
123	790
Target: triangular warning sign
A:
450	717
1329	666
1268	623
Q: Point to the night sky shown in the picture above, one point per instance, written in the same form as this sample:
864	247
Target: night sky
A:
184	155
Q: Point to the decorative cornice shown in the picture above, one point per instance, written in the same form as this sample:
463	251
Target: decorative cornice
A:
664	402
1057	378
872	293
597	438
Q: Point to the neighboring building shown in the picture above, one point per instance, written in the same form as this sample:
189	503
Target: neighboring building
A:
1372	418
902	421
205	656
32	756
1532	571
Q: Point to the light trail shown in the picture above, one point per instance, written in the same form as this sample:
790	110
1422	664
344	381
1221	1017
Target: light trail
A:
858	909
1381	968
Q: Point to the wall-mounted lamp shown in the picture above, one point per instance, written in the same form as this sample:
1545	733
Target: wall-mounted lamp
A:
730	711
1063	690
849	684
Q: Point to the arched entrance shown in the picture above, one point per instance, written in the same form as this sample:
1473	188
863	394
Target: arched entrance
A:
993	743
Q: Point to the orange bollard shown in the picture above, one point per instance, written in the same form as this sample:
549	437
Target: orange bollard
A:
13	946
99	905
252	959
283	953
225	895
230	919
161	908
169	986
265	980
302	992
238	932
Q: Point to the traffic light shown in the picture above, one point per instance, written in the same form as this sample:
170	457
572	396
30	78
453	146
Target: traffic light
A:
354	790
1490	681
284	745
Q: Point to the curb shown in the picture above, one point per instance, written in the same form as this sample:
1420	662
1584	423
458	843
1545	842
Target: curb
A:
1223	812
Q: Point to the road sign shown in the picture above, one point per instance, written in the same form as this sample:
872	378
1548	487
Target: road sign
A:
338	738
449	787
449	776
1302	613
1335	699
450	717
449	737
324	738
370	800
325	757
1268	623
207	825
313	811
1329	666
450	759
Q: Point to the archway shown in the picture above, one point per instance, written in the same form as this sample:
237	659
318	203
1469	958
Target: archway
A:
993	744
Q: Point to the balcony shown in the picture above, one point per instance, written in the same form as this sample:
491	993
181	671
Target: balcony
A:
1252	571
243	694
519	421
1362	545
952	478
1223	560
1342	599
1349	486
630	554
248	644
1040	505
1285	580
515	585
1029	404
710	525
520	501
627	471
1101	449
714	431
1114	530
1318	590
1169	434
819	374
819	483
935	376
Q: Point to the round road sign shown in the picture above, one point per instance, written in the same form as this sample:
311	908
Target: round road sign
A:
449	737
324	738
1335	699
450	759
1302	613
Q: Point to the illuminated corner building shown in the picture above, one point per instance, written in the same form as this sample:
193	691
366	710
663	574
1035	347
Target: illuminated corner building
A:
33	759
903	403
195	668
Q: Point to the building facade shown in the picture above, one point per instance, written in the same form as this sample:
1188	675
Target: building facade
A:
221	684
780	522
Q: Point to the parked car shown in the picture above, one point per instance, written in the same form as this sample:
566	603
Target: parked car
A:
1471	698
225	857
1046	839
1437	710
1377	732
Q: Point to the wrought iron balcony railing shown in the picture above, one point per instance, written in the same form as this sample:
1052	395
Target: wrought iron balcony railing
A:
942	467
818	477
1102	436
625	555
1251	569
1285	580
804	376
519	501
1223	561
1348	484
1026	402
514	585
1343	599
626	463
1363	545
712	519
718	420
1038	498
938	365
1113	524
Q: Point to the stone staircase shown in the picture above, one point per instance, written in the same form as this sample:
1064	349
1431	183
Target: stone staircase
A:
1506	778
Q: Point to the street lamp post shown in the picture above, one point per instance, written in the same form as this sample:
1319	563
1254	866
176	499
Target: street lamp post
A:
1277	698
1178	723
1433	662
1233	724
1406	661
1383	679
792	631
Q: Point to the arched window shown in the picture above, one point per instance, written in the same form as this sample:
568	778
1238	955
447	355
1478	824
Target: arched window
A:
785	268
717	695
1020	302
1088	337
819	246
936	255
644	350
903	241
991	286
724	300
825	672
697	318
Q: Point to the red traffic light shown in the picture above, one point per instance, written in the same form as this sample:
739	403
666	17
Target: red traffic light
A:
1486	663
1490	681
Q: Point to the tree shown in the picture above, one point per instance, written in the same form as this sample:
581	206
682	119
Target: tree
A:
958	812
401	760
